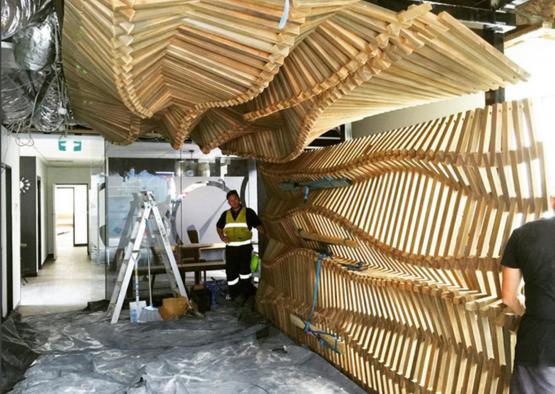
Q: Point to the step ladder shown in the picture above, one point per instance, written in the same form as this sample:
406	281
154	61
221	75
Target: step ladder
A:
148	218
134	206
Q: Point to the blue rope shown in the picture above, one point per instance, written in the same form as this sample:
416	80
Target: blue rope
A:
318	333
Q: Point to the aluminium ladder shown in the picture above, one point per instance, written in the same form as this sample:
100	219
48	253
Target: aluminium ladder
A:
147	208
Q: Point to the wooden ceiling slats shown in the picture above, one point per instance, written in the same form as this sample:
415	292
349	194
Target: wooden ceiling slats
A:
277	90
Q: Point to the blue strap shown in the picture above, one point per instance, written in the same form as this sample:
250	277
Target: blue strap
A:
284	16
307	325
315	292
358	266
306	191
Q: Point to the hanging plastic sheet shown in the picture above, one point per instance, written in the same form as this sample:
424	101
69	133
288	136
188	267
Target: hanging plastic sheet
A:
81	353
16	355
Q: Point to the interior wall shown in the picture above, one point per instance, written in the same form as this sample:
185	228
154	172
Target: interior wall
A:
419	114
41	172
536	54
96	218
63	175
28	215
10	157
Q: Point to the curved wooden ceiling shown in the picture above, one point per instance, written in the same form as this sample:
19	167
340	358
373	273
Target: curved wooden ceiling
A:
225	74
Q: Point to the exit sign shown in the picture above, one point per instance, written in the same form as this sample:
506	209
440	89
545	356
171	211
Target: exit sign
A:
76	145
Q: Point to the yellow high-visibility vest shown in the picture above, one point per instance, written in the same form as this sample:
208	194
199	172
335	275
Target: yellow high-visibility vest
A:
236	230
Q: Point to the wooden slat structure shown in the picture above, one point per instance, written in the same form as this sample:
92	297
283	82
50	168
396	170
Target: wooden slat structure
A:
224	73
431	206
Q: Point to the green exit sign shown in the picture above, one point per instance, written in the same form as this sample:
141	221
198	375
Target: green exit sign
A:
76	145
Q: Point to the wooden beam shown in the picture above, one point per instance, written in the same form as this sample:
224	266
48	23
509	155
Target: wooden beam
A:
329	240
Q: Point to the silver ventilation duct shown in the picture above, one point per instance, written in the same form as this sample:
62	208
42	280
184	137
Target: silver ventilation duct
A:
16	14
33	91
49	114
16	102
34	45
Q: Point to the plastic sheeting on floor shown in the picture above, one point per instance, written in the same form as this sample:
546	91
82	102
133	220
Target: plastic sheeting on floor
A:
82	353
15	354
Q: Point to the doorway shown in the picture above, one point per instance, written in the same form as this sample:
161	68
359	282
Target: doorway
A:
71	216
64	217
9	239
39	222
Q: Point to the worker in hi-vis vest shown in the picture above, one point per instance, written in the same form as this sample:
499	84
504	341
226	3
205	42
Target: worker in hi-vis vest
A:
234	228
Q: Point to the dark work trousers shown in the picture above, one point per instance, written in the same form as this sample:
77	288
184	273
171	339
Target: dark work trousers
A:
533	379
238	270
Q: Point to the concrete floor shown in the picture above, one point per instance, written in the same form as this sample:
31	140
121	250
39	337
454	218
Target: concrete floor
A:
65	284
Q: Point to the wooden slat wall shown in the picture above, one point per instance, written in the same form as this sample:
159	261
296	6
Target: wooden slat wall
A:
430	208
222	72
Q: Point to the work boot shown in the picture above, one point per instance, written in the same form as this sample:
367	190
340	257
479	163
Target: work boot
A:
234	291
246	288
238	301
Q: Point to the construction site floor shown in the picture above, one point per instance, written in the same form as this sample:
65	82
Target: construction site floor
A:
81	352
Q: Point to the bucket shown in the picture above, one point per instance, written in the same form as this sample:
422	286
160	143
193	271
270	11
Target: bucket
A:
217	288
135	310
173	308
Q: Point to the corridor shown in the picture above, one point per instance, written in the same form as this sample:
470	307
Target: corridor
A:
65	284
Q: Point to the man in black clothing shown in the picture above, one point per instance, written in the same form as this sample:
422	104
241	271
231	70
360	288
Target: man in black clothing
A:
234	228
530	254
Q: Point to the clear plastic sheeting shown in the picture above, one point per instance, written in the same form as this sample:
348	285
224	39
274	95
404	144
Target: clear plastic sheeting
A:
82	353
16	14
16	356
34	45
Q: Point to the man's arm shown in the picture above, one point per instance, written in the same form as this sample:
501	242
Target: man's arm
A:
222	235
511	290
220	228
254	221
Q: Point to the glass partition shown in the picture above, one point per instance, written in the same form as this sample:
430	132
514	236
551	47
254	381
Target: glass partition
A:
189	187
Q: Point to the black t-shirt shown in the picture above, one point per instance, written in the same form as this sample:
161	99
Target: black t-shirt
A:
252	218
531	248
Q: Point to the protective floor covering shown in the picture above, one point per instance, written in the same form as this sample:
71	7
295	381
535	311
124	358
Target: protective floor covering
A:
82	352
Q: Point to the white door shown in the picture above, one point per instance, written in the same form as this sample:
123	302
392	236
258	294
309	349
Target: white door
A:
81	216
